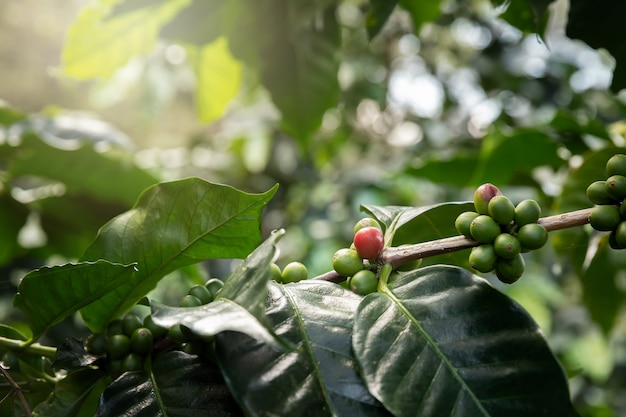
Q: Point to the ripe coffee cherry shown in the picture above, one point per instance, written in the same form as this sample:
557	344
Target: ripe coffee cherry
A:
616	187
347	262
202	293
118	346
214	285
190	301
463	221
620	234
484	229
276	272
526	212
483	258
132	362
605	218
364	282
483	194
96	344
596	193
532	236
507	246
156	330
510	270
131	322
616	165
294	272
501	209
141	341
369	242
366	222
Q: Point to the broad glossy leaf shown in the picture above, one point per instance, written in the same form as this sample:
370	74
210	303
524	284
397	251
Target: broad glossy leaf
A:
174	224
318	379
70	393
48	295
529	16
377	15
178	385
97	43
443	342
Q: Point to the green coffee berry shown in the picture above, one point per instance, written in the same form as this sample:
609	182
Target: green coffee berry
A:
214	285
132	362
510	270
131	322
616	165
483	258
616	187
276	272
156	330
484	229
507	246
202	293
532	236
115	367
141	341
596	193
176	333
613	240
526	212
114	327
96	344
605	218
463	221
190	301
194	347
347	262
364	282
483	194
118	346
501	209
294	272
366	222
620	234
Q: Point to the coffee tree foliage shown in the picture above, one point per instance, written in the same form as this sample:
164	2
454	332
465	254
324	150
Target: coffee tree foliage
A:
324	112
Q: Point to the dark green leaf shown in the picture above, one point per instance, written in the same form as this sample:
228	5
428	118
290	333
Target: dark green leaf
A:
70	393
320	378
178	385
422	11
446	171
443	342
377	15
48	295
71	355
11	333
529	16
174	224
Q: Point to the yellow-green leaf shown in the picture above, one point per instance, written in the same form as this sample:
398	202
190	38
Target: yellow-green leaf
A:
98	44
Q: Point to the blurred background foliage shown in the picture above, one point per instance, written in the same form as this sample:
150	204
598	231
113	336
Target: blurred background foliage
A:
342	103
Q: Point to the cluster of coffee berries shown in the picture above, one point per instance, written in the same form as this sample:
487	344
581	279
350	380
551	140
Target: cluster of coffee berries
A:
292	272
127	341
609	214
504	231
350	262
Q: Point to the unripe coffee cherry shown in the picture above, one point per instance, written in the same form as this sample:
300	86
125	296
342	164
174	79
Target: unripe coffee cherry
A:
202	293
131	322
96	344
483	258
156	330
616	165
141	341
294	272
369	242
190	301
510	270
366	222
463	221
484	229
118	346
276	272
620	234
526	212
214	285
364	282
616	187
532	236
596	193
507	246
483	194
114	327
132	362
501	209
605	218
613	240
347	262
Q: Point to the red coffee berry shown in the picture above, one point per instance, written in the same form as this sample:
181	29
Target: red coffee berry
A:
369	242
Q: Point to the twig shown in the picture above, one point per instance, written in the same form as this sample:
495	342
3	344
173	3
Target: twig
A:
17	390
397	256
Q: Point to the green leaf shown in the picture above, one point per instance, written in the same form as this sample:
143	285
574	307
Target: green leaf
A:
318	379
377	15
12	218
97	44
529	16
407	225
177	385
422	11
441	342
218	78
70	393
174	224
48	295
446	170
